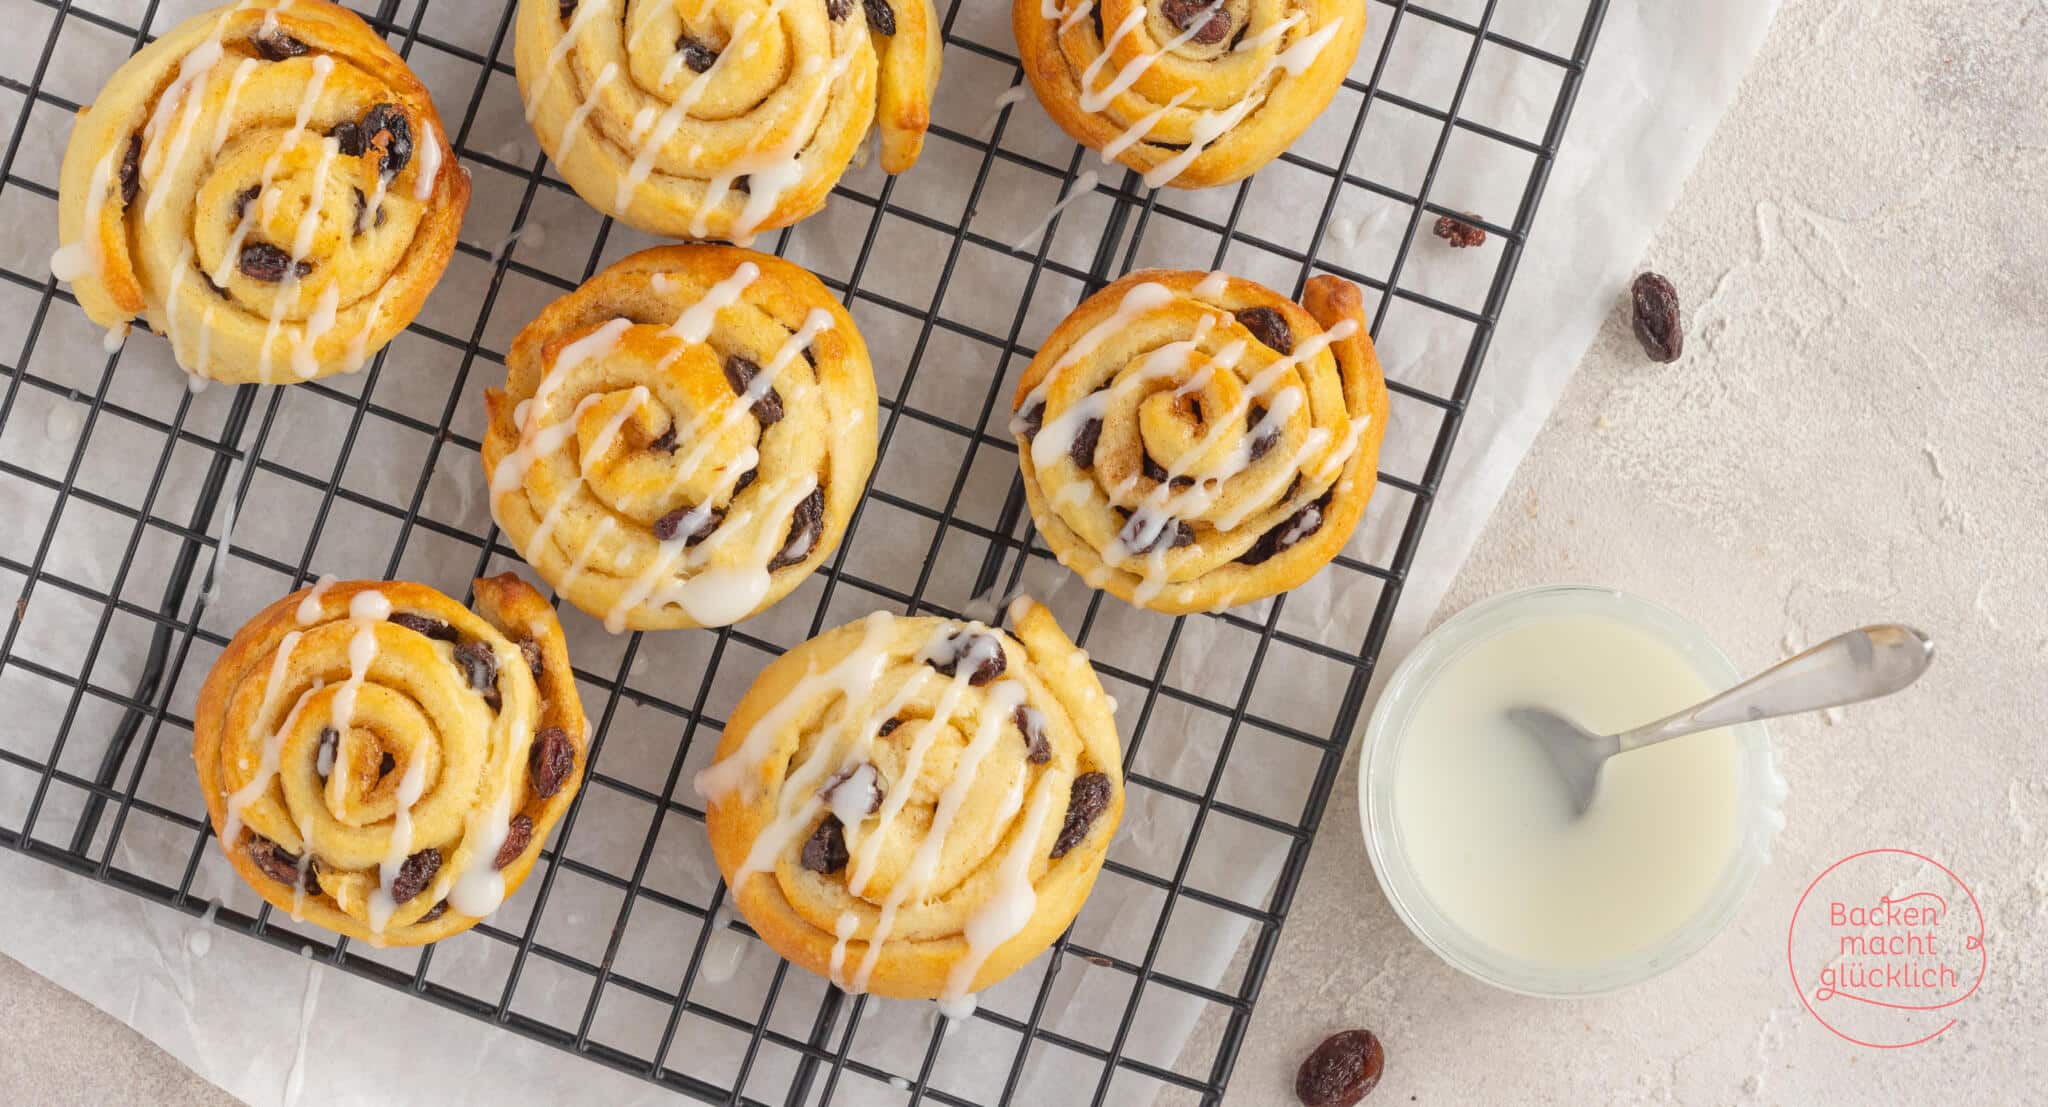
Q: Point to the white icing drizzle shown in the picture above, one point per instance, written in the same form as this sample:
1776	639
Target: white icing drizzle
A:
1084	184
773	171
273	745
573	128
556	55
1003	915
86	257
429	168
1208	126
227	108
184	90
309	608
671	118
851	676
480	888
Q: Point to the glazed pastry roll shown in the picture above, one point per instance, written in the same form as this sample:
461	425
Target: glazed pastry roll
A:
1190	442
382	761
1191	93
916	807
682	440
268	185
723	118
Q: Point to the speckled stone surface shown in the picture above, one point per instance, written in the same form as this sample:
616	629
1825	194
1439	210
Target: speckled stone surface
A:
1856	432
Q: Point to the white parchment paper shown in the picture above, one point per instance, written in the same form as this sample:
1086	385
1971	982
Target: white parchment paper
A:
273	1028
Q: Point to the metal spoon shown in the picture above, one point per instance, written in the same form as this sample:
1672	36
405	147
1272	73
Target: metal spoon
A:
1860	665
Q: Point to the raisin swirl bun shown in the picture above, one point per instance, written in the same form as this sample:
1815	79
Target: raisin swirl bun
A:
385	762
1191	93
723	118
916	806
268	185
1190	442
681	440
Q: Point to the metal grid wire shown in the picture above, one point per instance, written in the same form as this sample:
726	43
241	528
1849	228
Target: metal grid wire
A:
81	805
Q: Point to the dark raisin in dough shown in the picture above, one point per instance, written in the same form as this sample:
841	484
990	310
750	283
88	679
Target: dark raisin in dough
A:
276	45
414	876
838	9
348	138
551	761
667	442
262	261
1082	452
330	741
131	170
989	662
888	727
1264	443
1086	802
825	852
1031	722
275	861
530	650
696	55
740	373
881	17
480	664
426	625
806	526
243	198
518	836
1289	533
1183	14
699	526
1031	421
386	128
1269	327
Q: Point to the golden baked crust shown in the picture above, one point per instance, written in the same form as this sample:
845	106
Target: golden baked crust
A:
1194	106
984	802
163	212
714	123
344	676
1195	441
632	474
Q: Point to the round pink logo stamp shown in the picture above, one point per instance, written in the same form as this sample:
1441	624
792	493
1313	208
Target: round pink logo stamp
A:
1884	946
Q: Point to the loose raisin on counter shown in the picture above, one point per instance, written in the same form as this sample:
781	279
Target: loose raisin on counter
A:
551	762
1656	318
518	835
1460	234
414	876
1086	802
1341	1070
1269	327
825	851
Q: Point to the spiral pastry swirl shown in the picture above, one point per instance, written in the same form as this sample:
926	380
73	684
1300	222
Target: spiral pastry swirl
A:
1191	93
1190	442
268	186
917	806
681	440
723	118
385	762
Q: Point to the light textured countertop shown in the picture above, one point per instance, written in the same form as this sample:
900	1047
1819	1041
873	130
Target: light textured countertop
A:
1855	433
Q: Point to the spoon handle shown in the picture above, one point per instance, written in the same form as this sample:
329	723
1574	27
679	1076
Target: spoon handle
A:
1848	668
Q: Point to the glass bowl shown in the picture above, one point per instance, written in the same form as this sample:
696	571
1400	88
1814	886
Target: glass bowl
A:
1759	794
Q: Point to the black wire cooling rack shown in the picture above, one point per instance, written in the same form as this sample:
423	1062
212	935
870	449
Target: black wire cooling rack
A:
143	636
